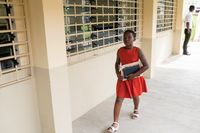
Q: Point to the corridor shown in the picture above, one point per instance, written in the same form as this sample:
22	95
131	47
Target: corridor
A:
172	104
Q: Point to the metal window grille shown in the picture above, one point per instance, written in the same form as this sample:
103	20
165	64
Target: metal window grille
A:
94	24
166	10
14	44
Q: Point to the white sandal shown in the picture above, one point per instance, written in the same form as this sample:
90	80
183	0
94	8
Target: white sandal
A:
113	129
135	114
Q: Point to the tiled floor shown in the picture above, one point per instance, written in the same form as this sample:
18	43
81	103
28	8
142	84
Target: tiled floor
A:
171	106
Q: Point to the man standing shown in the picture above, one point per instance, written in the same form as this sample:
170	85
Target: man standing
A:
188	29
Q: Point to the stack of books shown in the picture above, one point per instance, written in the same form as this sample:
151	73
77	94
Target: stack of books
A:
129	69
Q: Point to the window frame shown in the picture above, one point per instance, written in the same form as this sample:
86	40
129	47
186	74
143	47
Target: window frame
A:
166	11
17	21
133	20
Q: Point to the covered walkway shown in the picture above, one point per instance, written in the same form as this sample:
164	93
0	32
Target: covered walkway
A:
171	106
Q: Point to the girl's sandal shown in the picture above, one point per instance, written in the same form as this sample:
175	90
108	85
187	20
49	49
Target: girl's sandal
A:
135	114
113	128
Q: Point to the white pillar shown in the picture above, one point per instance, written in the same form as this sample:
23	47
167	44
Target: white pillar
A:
177	46
149	33
46	20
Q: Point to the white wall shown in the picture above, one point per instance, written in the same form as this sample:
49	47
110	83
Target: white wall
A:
162	47
18	108
91	82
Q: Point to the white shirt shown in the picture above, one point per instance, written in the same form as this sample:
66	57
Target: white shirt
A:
188	18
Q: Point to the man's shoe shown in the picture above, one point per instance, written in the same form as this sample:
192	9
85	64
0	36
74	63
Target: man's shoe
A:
186	53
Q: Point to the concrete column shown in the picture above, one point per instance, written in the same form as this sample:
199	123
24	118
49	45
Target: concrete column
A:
50	64
179	22
149	33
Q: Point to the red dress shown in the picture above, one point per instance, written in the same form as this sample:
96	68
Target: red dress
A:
133	87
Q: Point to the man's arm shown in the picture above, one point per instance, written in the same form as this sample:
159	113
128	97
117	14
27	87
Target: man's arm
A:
188	27
187	21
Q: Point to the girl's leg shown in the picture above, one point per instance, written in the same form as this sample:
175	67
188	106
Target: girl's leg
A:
135	113
117	108
136	101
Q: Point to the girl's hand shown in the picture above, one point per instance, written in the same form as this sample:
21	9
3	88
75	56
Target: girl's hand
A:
119	76
131	76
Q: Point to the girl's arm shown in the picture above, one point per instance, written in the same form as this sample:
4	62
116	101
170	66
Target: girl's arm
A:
117	63
144	67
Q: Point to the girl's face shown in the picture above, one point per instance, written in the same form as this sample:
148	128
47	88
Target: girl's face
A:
128	39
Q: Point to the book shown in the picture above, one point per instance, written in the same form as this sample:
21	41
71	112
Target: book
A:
128	70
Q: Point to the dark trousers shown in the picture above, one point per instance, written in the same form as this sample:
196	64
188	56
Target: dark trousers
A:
187	38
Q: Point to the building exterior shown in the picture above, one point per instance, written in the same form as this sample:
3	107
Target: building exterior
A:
57	57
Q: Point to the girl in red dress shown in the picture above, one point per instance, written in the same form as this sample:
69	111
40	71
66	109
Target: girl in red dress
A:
135	84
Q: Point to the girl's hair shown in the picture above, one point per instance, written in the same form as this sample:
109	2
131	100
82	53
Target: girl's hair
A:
132	32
